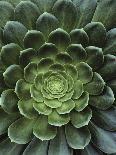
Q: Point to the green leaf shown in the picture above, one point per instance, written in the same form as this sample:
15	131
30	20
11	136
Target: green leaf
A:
12	74
79	36
45	94
22	89
108	68
8	148
90	149
6	120
104	100
105	119
21	130
85	73
95	57
80	119
96	30
11	50
72	71
38	81
36	147
47	50
65	11
54	103
78	89
1	38
102	139
30	72
14	32
36	94
86	11
9	101
6	12
66	107
44	5
56	119
105	13
26	108
27	56
77	138
33	39
43	130
60	38
63	58
112	85
67	96
59	146
56	67
44	65
46	23
77	52
96	86
110	45
41	108
82	102
27	13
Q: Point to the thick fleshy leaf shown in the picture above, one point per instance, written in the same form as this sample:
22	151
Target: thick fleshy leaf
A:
6	120
46	23
12	74
63	58
102	139
65	11
36	147
54	103
85	73
112	85
41	108
58	146
104	100
30	72
97	33
47	50
77	52
9	101
11	51
105	119
60	38
72	71
26	13
6	12
80	119
67	96
1	38
21	130
110	45
44	5
79	36
109	67
105	13
77	138
43	130
78	89
45	94
91	150
14	32
8	148
27	56
44	65
95	57
2	83
26	108
33	39
38	81
36	94
22	89
66	107
87	9
82	102
96	85
56	67
56	119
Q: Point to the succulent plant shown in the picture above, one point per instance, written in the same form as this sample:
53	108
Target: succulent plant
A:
57	77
